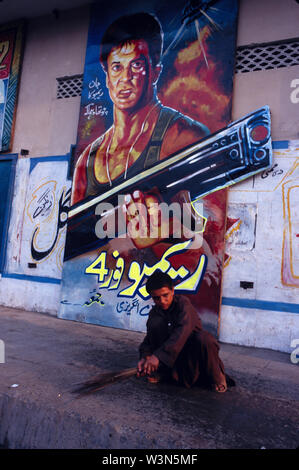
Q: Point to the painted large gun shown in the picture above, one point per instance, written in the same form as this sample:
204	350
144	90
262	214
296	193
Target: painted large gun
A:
229	156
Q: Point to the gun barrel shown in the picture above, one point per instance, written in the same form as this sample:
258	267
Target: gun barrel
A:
231	155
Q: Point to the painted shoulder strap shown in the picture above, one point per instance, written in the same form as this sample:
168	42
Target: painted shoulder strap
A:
153	152
91	181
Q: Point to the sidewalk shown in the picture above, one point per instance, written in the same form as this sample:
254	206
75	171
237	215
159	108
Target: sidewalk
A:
45	356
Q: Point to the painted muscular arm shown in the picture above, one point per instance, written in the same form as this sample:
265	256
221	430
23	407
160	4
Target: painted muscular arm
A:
79	178
181	133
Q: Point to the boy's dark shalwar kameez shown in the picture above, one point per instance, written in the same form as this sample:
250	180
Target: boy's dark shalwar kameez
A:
177	338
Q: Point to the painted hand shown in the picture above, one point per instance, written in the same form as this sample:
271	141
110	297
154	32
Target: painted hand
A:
149	220
145	222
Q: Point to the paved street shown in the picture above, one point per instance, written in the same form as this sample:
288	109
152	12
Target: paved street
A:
45	357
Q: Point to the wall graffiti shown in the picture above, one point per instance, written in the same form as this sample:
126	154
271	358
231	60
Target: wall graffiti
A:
95	298
290	246
262	237
40	229
43	209
273	171
128	308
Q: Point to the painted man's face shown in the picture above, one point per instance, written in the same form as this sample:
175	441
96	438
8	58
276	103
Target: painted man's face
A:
163	297
130	75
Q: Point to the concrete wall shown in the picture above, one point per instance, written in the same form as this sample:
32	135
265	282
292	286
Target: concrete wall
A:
46	126
262	232
262	242
261	22
54	48
36	238
266	21
262	248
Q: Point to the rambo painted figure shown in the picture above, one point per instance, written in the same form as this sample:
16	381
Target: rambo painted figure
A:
143	131
175	345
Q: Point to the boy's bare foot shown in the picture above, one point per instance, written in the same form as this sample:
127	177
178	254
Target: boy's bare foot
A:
222	386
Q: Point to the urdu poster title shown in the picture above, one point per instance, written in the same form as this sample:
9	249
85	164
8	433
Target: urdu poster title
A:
184	97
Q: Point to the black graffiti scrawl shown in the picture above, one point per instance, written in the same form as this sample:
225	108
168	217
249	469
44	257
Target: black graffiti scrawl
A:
44	207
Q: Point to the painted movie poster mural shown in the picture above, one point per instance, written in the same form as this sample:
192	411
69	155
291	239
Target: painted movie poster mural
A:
11	43
151	165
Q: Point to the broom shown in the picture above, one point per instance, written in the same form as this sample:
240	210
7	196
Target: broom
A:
102	380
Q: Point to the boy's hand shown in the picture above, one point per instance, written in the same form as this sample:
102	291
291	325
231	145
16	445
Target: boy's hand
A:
140	365
148	365
151	364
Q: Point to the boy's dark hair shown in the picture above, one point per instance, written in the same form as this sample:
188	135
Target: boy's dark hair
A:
133	27
158	280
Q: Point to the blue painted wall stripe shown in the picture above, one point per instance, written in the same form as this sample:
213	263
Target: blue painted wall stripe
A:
55	158
26	277
8	205
260	304
280	144
231	301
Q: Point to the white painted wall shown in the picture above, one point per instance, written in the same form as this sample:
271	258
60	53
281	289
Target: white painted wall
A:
263	248
30	280
256	243
29	295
